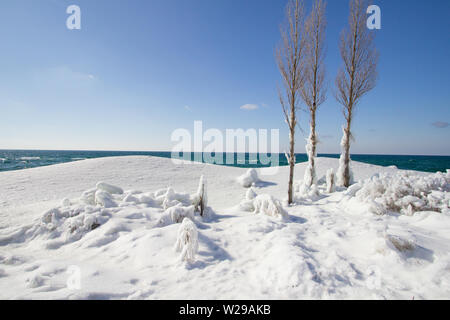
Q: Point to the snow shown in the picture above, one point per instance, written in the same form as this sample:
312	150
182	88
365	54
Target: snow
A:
355	243
249	178
109	188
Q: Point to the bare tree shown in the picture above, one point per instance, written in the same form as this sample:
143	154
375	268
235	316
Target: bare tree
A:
313	92
289	56
357	77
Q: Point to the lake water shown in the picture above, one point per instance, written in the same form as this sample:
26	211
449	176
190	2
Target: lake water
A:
22	159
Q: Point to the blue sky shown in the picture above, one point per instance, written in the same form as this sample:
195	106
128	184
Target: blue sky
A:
137	70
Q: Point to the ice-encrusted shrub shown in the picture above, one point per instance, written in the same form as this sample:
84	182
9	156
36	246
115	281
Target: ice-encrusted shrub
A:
176	215
249	178
406	192
170	198
69	223
268	205
331	180
187	240
400	244
200	199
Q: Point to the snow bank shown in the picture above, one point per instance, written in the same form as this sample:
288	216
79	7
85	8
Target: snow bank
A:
332	248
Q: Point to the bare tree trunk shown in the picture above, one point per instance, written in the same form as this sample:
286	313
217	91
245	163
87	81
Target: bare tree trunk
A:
290	63
356	78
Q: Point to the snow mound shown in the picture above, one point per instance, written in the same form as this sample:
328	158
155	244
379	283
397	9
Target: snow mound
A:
249	178
404	192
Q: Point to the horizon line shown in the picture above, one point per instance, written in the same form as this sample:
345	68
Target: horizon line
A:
224	152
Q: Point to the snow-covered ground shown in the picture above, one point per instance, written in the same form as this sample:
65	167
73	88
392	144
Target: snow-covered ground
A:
122	245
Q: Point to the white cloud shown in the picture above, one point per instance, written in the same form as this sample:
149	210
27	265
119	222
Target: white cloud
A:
440	124
187	108
249	107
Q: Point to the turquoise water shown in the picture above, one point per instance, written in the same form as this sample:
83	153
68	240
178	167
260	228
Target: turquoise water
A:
22	159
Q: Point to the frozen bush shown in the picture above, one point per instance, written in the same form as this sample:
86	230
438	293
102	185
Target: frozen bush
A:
187	240
200	199
405	192
400	244
109	188
248	178
331	178
62	225
268	205
176	215
170	198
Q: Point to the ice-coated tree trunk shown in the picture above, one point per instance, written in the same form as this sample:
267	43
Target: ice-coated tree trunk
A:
344	176
291	163
310	177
